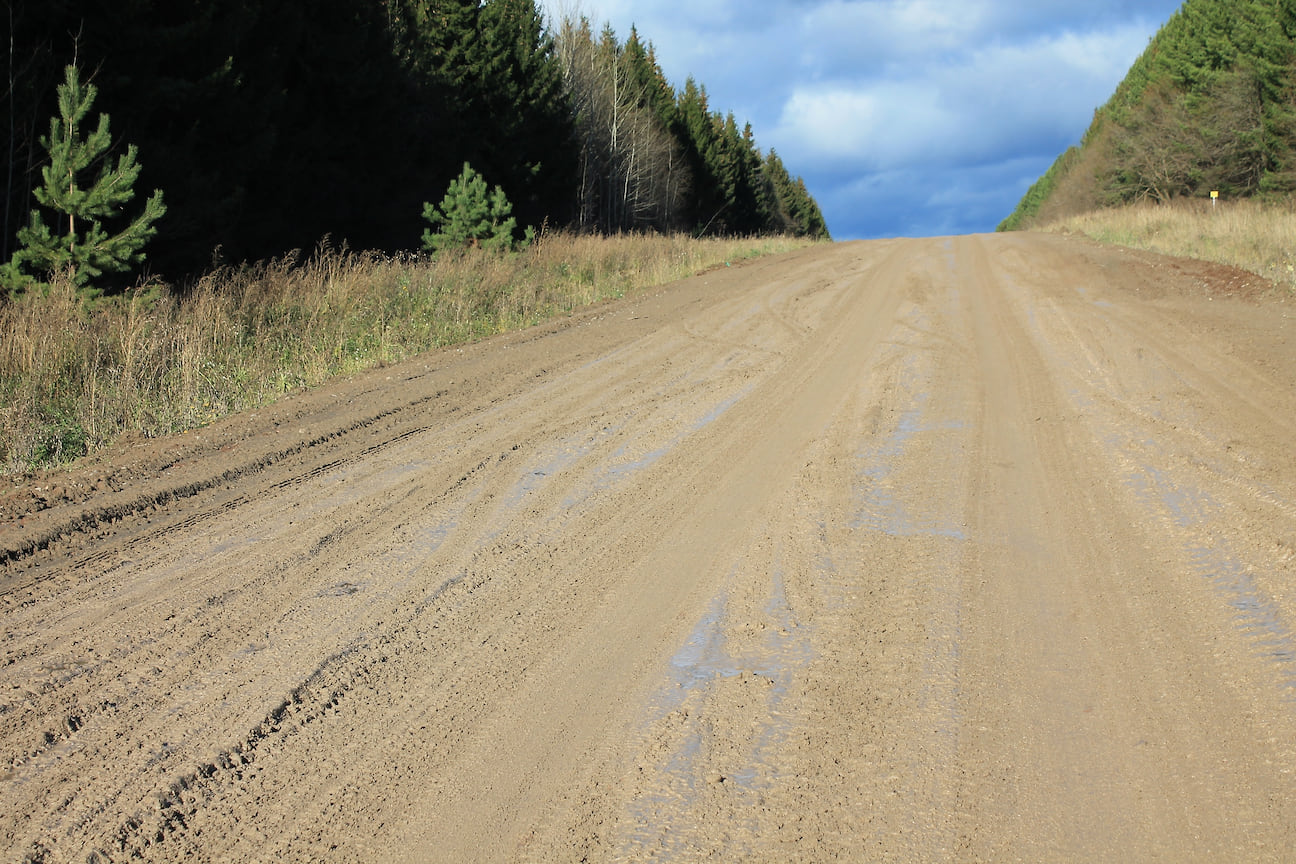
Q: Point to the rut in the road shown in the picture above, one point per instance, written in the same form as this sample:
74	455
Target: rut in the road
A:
953	549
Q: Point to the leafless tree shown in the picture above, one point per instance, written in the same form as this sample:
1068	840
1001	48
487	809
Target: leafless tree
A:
632	174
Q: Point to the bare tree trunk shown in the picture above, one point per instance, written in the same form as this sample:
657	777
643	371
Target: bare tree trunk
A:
632	159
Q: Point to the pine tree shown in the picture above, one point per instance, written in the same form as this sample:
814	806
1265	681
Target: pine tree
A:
85	249
468	217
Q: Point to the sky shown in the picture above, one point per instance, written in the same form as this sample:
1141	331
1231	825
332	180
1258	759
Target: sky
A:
906	118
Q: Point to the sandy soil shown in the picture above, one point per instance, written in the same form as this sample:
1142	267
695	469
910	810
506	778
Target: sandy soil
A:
972	549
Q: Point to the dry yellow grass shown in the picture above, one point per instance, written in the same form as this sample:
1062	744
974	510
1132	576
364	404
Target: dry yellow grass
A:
1260	238
75	377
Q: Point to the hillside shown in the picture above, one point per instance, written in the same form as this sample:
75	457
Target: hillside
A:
1207	107
272	124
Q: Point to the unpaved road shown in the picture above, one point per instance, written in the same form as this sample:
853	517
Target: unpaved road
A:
972	549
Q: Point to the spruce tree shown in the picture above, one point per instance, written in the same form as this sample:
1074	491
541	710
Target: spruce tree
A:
695	129
529	142
79	243
646	78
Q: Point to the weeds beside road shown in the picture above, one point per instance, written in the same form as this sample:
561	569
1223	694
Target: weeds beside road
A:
1256	237
74	377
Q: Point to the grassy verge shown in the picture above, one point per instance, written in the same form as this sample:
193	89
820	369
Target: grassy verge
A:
75	377
1257	237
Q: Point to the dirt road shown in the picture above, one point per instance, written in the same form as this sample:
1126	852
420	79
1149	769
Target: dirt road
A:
972	549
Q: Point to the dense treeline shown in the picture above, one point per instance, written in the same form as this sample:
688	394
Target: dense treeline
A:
271	124
1210	105
654	158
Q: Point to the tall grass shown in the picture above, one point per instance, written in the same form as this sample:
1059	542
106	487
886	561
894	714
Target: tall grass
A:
1254	236
74	376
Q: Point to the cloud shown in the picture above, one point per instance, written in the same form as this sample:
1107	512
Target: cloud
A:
849	37
997	100
939	111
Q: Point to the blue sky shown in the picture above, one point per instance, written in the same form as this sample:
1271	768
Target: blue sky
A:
905	117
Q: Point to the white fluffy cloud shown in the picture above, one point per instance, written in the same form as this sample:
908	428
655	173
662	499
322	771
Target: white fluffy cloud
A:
992	100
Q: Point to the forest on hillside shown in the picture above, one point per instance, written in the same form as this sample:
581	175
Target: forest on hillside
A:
1210	106
271	124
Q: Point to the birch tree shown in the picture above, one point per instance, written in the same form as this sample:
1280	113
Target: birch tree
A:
631	174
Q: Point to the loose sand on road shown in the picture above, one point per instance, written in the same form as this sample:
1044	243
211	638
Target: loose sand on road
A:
967	549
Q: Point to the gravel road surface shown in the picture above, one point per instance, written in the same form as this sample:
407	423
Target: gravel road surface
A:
954	549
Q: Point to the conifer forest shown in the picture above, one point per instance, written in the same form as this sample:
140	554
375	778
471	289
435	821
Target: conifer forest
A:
1208	107
270	125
